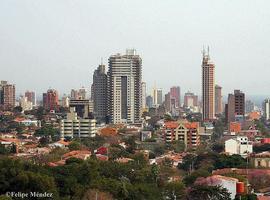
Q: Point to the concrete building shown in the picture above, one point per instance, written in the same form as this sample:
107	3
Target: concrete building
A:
144	135
187	132
31	96
99	93
266	109
261	160
176	95
235	106
157	97
74	94
208	87
73	126
25	104
239	145
124	88
149	101
82	93
190	100
144	96
51	100
167	102
82	107
7	95
250	106
218	100
65	101
239	97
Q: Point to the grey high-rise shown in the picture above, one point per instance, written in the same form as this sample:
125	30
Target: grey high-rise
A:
99	93
124	88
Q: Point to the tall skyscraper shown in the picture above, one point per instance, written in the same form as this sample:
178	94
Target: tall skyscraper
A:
159	97
239	102
218	100
99	93
124	87
51	100
25	104
7	95
31	96
74	94
175	94
235	106
250	106
190	99
168	102
208	87
229	109
149	101
82	93
143	95
266	109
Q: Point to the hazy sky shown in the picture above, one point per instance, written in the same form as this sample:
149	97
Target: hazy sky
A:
59	43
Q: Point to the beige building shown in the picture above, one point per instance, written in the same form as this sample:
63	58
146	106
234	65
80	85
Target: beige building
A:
187	132
125	88
261	160
208	87
25	104
73	126
7	95
218	100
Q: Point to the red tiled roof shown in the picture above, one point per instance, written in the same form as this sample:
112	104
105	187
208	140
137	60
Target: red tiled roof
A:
102	157
76	153
171	124
190	125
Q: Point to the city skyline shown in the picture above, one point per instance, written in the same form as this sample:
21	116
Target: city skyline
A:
63	55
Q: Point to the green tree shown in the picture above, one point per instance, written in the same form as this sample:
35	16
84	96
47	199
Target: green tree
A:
4	197
17	109
174	191
74	145
204	192
190	179
47	130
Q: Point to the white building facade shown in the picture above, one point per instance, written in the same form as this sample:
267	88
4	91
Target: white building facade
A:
125	88
266	109
239	145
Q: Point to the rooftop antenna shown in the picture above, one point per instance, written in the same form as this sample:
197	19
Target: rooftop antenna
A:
208	50
203	51
101	60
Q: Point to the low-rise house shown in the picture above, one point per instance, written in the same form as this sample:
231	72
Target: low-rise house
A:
145	135
174	158
124	160
261	160
81	154
60	143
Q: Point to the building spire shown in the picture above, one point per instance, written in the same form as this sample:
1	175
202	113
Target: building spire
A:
101	60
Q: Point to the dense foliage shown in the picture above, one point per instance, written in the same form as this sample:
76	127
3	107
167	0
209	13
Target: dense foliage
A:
134	180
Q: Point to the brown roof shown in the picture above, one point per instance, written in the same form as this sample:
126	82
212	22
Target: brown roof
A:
63	142
108	131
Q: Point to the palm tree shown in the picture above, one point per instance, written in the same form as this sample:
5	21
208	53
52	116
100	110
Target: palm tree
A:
205	192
